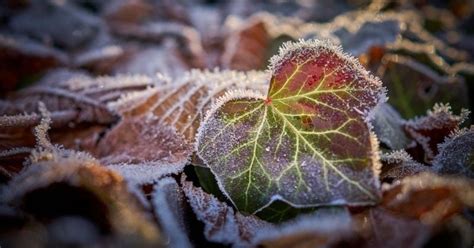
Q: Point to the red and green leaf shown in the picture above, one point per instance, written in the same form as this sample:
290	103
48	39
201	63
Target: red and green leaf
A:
307	143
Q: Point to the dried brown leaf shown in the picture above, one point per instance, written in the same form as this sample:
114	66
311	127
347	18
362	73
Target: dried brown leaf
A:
456	154
143	150
221	223
398	165
58	181
430	130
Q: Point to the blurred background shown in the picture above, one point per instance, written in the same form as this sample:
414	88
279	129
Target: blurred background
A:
421	49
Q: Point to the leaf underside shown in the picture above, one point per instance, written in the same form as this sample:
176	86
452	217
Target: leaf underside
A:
306	143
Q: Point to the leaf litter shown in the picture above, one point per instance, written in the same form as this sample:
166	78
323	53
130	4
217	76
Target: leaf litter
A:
104	105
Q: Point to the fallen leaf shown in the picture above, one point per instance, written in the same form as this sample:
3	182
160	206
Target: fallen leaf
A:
307	142
399	164
221	223
430	130
456	154
60	184
325	228
169	205
143	150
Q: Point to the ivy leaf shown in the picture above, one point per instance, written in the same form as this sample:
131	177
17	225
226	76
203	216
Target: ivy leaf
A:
307	143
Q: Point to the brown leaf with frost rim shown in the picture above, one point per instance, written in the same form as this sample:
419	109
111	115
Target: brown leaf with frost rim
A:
430	130
169	206
399	164
307	143
456	154
221	223
324	228
143	150
182	103
415	210
57	180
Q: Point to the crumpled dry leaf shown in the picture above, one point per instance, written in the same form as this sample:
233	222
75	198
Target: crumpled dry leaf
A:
399	164
221	223
417	210
78	106
430	130
142	149
183	103
456	154
324	228
62	183
429	198
169	206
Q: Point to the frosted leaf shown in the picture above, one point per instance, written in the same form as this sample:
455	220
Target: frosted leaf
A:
57	181
169	113
221	223
399	164
430	130
388	126
11	162
325	228
321	150
456	154
169	206
86	109
418	209
143	150
183	103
